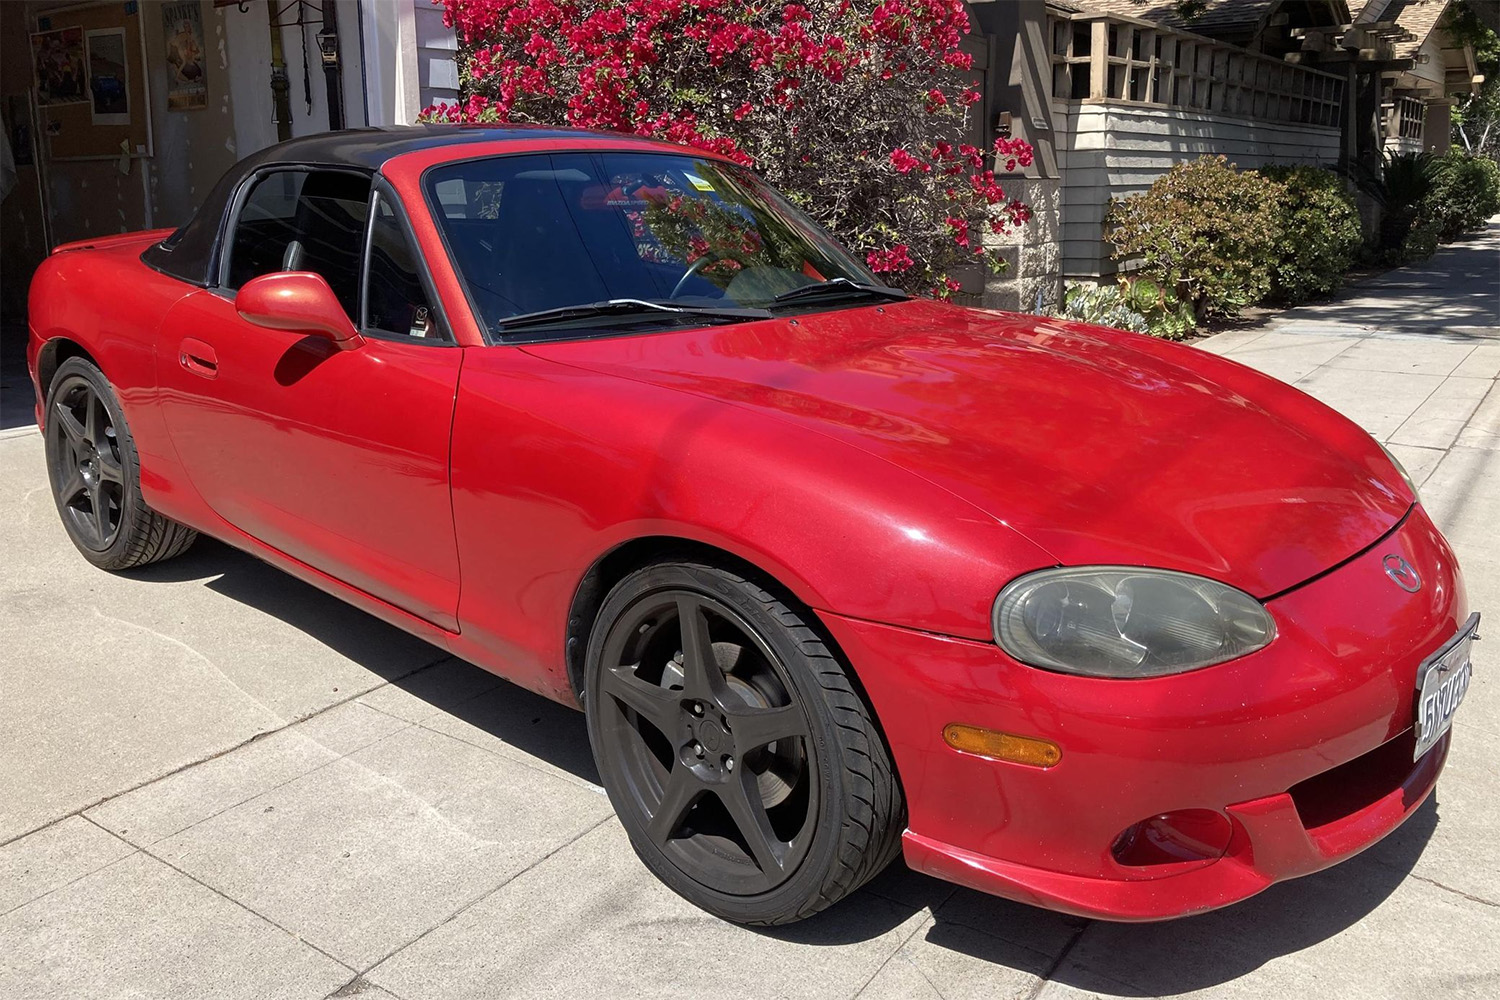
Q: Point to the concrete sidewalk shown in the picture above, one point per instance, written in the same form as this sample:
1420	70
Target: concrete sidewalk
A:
223	783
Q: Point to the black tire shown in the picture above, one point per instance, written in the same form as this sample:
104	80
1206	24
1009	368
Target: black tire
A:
821	800
94	472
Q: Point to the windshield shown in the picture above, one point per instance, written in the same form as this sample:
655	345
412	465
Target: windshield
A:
545	233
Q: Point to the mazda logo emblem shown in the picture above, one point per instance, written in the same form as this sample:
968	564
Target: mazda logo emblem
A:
1401	571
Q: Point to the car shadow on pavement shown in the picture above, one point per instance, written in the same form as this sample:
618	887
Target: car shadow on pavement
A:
380	648
1138	960
1142	960
482	705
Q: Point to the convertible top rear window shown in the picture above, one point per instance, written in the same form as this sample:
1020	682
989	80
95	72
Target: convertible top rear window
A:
538	232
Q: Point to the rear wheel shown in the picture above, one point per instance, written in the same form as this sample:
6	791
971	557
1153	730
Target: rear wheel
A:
95	475
741	761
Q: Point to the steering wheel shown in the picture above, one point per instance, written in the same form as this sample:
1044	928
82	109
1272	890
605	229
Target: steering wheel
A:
709	257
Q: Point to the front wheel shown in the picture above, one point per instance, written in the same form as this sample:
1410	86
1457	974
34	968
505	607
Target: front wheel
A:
95	475
745	768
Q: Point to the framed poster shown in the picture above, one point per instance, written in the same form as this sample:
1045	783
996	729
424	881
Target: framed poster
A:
58	66
187	73
109	76
114	105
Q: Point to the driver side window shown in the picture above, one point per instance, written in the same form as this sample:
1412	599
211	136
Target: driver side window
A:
395	299
303	220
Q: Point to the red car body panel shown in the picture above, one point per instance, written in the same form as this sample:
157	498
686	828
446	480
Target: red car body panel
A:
1239	736
1100	447
347	449
893	467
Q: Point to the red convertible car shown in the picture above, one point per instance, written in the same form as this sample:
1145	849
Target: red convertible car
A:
1073	616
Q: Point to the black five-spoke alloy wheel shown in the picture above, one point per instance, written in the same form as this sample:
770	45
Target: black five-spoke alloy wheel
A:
86	465
95	477
734	748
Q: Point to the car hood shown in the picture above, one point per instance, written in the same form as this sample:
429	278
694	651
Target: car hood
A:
1099	446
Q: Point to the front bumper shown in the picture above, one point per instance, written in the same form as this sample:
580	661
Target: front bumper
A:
1305	746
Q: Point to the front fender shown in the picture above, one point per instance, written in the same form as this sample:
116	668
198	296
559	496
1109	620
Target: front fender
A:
553	466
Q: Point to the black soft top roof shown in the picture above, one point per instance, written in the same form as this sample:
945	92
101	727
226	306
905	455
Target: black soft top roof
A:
191	253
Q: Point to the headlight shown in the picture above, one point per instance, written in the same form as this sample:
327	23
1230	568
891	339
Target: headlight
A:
1410	484
1119	621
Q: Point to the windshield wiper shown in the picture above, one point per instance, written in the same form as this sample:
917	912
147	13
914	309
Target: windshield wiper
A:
840	286
628	309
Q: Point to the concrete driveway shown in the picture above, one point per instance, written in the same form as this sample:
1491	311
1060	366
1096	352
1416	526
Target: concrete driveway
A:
221	783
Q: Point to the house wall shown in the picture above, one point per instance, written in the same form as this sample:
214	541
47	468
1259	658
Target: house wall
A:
1115	150
183	153
1018	81
437	57
1429	65
411	60
247	53
90	197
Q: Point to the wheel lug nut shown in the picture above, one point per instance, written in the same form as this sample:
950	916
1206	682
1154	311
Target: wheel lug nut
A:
729	763
697	708
697	749
677	657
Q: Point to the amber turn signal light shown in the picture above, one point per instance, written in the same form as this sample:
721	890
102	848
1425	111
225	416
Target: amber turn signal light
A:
1002	746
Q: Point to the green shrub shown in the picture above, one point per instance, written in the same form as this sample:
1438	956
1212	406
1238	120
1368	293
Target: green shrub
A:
1101	305
1319	234
1399	186
1204	231
1167	316
1139	305
1421	240
1465	194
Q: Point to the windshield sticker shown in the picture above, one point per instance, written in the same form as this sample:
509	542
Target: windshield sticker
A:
699	183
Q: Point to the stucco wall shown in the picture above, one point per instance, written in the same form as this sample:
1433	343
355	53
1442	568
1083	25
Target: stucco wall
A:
248	48
1116	150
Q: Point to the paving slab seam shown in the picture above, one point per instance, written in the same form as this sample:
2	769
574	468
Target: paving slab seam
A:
356	986
887	960
1457	892
1062	957
267	791
250	910
479	899
897	957
1456	434
1298	383
519	757
221	753
951	891
1122	987
59	888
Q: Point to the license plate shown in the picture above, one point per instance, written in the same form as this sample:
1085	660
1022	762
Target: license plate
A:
1442	682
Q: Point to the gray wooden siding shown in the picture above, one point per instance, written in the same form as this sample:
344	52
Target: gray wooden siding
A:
1115	150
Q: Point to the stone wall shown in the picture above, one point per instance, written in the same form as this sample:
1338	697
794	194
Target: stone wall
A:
1032	279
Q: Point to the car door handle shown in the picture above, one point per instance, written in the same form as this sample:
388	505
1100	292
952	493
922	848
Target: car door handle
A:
198	358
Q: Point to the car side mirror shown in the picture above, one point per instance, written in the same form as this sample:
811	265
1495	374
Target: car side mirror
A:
297	302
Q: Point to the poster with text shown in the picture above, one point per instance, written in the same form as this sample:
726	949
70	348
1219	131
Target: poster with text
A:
187	74
109	76
58	64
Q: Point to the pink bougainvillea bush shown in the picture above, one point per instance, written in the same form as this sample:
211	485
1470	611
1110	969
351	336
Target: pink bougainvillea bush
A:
857	110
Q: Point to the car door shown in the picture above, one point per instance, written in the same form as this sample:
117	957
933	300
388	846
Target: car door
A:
336	457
